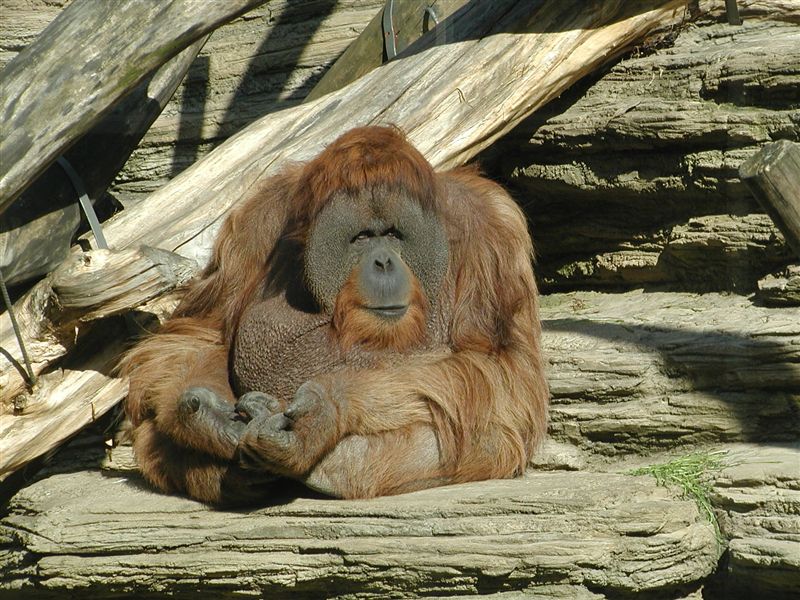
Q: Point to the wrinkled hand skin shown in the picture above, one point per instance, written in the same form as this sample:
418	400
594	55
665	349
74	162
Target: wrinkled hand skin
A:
201	412
256	404
291	442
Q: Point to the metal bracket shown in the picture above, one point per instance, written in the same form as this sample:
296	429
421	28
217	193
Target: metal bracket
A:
86	204
427	17
732	10
97	231
390	34
17	333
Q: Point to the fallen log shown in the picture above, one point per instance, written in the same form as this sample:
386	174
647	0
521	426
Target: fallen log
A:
58	314
64	401
61	85
37	230
87	287
452	100
264	61
450	104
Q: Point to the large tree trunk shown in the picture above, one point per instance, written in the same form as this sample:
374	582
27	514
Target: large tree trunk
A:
440	95
91	56
36	232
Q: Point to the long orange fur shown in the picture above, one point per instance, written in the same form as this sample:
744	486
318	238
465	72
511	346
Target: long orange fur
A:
483	398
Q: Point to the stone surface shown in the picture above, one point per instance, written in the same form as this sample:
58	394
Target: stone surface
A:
631	180
573	533
782	289
757	500
633	375
639	372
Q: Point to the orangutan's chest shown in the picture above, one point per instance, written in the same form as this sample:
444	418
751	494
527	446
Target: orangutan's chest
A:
277	348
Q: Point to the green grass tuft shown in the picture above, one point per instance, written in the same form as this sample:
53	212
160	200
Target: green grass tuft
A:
692	474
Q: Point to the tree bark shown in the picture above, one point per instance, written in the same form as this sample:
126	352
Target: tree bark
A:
61	85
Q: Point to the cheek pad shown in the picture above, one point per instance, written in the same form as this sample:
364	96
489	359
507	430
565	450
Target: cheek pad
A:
425	250
329	257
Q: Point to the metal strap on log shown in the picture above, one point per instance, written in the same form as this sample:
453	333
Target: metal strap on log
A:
397	26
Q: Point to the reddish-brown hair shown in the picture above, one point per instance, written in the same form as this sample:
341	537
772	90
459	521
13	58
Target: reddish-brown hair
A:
360	159
481	395
353	325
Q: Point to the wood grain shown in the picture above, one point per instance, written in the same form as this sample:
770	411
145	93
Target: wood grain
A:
80	66
773	175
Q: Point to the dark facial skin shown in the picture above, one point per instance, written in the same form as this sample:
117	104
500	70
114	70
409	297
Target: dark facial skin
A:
384	234
384	282
378	239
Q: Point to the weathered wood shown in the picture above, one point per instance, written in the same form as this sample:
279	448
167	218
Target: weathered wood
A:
367	52
633	180
58	310
448	103
773	175
263	61
64	401
61	85
559	534
35	232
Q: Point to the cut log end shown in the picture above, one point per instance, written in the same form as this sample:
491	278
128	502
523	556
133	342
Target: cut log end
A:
773	175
